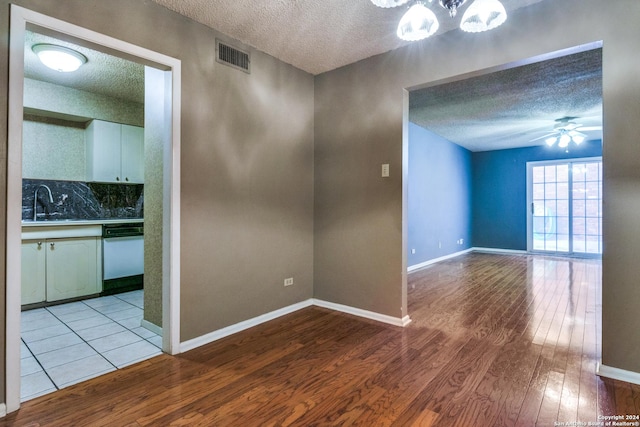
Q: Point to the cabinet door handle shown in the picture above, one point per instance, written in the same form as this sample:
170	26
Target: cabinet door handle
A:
126	179
53	245
39	245
117	178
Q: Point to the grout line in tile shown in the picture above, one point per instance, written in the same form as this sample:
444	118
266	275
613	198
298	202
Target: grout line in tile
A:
42	367
86	342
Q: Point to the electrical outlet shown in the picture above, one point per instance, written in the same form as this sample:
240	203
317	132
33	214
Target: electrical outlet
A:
385	170
439	245
288	282
413	251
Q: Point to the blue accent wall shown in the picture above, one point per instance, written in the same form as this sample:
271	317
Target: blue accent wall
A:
439	199
479	197
500	192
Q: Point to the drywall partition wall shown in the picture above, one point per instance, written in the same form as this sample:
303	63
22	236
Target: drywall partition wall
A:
155	136
358	213
247	163
439	205
500	191
358	239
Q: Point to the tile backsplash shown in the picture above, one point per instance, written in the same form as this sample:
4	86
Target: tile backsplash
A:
75	200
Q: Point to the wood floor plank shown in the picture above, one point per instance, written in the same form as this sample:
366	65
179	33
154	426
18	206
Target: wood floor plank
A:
496	340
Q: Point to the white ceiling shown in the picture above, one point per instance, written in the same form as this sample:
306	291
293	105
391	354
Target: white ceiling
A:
516	107
313	35
501	110
103	74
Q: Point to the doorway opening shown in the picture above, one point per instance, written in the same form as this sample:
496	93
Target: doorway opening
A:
162	88
468	142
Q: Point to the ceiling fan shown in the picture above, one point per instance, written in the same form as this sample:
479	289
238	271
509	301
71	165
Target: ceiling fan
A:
566	131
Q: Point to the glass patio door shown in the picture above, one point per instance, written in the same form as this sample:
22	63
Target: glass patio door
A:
565	206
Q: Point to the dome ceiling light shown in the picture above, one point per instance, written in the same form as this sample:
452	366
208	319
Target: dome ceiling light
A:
420	22
59	58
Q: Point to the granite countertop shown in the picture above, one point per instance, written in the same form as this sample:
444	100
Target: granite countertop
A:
71	222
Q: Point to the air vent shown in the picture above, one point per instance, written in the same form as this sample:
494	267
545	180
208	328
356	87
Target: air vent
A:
232	57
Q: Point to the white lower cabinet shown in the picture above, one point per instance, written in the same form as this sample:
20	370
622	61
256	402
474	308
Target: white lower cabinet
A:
57	269
34	271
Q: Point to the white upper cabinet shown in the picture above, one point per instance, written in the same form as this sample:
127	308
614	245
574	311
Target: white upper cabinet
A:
132	153
115	152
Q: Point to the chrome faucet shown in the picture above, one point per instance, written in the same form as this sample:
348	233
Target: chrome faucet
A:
35	199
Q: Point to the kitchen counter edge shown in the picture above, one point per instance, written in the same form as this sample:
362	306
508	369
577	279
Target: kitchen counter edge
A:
69	223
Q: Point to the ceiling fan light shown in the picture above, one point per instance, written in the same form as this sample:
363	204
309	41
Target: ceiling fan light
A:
389	3
483	15
59	58
578	139
418	23
551	140
564	140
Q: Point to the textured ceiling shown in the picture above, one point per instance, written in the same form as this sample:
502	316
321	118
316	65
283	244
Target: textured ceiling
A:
501	110
102	74
510	108
313	35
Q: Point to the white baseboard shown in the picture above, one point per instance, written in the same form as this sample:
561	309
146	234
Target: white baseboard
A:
3	410
435	260
230	330
500	251
618	374
396	321
238	327
151	326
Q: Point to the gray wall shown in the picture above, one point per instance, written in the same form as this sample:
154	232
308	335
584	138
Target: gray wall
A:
359	124
247	165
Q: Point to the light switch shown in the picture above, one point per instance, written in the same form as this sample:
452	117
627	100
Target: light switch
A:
385	170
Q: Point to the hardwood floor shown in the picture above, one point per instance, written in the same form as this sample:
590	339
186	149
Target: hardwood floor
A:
495	341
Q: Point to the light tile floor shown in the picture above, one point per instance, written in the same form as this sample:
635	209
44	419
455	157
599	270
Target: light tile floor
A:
65	344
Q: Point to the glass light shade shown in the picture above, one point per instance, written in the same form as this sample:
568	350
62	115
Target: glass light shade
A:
564	140
483	15
389	3
418	23
59	58
578	139
550	141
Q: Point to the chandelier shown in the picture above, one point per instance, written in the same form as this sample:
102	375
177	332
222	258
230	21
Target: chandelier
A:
419	22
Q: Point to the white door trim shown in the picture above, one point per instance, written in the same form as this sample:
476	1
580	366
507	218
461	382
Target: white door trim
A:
530	165
20	18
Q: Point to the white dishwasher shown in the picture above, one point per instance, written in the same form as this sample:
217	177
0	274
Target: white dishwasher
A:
122	257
